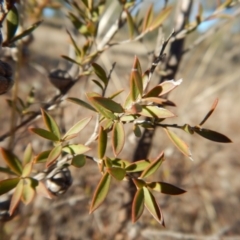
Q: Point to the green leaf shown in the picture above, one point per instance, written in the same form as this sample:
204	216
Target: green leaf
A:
165	188
42	157
78	161
81	103
101	191
115	94
209	113
12	22
77	50
28	154
109	104
102	142
8	184
138	166
53	155
168	86
211	135
75	149
102	110
51	124
155	112
136	85
147	19
153	167
6	170
130	24
118	138
152	206
12	161
160	18
23	34
71	60
44	134
137	205
16	197
28	191
154	92
27	169
100	72
78	127
179	143
138	183
117	172
136	130
98	84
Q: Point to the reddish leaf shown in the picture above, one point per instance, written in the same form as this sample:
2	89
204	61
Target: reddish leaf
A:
12	161
118	138
8	184
101	191
168	86
209	113
137	205
42	190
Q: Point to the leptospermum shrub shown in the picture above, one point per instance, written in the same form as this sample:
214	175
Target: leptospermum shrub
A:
143	107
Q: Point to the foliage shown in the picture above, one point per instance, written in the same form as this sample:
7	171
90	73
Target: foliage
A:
144	107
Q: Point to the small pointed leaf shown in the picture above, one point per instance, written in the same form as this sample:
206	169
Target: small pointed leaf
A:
27	169
209	113
28	154
42	157
8	184
98	84
101	191
42	190
102	142
12	22
76	149
130	24
44	134
81	103
79	126
118	138
100	72
12	161
211	135
153	167
50	123
179	143
109	104
138	205
78	161
168	86
117	172
148	18
16	197
136	130
155	112
138	166
165	188
152	206
28	192
160	18
54	154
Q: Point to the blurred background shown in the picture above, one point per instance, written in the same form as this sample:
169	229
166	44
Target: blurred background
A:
210	70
